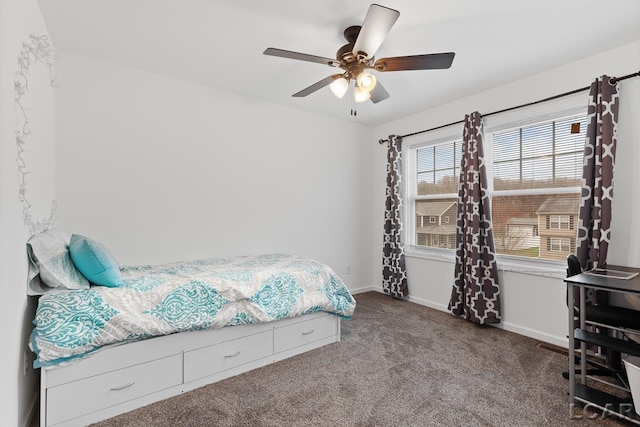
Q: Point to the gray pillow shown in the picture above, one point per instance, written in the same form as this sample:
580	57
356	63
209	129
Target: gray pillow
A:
50	265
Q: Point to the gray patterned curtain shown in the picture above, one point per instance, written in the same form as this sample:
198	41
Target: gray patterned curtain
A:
476	293
597	176
394	274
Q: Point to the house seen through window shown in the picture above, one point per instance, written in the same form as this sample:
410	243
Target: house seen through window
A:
534	178
436	186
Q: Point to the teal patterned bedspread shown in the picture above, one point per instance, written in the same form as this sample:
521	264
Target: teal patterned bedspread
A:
185	296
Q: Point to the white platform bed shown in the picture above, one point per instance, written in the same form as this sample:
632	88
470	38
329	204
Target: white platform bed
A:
171	328
120	379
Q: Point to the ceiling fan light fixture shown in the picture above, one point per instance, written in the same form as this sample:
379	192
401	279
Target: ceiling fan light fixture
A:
339	87
366	81
360	95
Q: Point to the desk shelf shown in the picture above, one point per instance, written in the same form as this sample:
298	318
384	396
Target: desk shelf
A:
615	344
619	407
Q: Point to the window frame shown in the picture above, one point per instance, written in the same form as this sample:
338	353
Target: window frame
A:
559	222
563	109
410	190
559	244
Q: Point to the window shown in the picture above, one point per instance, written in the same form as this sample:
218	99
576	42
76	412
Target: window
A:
560	222
536	184
563	245
534	174
434	193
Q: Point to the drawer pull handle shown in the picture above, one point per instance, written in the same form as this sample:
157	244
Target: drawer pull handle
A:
232	355
121	387
308	332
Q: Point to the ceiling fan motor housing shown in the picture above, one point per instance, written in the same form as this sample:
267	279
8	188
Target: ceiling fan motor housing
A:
351	63
345	54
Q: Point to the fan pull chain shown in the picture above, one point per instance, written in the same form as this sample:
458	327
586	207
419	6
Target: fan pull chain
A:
354	111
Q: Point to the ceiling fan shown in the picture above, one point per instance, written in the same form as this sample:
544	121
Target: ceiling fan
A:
357	57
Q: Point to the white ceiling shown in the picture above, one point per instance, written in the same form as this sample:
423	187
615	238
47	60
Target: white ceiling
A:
220	43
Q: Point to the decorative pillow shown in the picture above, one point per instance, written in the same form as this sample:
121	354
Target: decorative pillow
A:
50	265
94	261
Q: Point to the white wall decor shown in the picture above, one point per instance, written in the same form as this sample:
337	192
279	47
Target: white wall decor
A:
35	50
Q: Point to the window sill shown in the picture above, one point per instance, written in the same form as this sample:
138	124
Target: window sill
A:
534	266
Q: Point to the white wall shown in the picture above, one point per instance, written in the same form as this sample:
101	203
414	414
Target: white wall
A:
19	19
160	169
532	304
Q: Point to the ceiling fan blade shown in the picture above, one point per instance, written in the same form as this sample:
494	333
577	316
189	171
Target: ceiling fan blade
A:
272	51
379	93
316	86
375	28
434	61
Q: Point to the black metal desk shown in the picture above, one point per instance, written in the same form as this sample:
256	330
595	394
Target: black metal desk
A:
621	407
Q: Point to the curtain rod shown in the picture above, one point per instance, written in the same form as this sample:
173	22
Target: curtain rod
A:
551	98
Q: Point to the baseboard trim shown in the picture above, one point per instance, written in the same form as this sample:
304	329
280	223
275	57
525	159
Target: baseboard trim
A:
532	333
428	303
362	290
507	326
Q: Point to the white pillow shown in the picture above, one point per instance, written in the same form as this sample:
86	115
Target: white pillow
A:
50	264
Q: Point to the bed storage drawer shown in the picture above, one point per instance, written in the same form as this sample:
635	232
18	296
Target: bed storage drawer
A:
77	398
226	355
301	333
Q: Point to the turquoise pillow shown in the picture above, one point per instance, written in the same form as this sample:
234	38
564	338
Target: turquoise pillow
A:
94	261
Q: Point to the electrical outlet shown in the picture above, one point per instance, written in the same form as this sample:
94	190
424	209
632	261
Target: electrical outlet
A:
348	269
25	363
